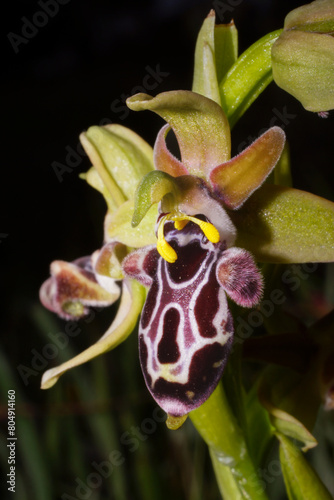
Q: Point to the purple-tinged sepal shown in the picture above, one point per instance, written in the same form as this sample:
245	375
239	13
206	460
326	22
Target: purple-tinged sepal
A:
73	288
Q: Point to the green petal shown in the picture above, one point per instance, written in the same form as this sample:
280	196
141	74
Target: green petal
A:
284	225
133	296
301	480
205	76
152	188
238	178
247	78
200	126
118	226
120	157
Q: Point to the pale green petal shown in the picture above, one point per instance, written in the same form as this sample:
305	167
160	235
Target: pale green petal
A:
163	159
152	188
238	178
132	301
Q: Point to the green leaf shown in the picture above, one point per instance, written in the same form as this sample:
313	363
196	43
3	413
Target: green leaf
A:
301	480
260	430
200	126
284	225
247	78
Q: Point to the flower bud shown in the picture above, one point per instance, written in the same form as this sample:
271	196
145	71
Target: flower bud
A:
303	55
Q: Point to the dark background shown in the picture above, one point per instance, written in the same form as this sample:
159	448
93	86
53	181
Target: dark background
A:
67	77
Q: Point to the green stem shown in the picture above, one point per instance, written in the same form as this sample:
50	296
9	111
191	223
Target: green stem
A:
234	469
227	484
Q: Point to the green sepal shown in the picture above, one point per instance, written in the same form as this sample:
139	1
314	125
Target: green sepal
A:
247	78
152	188
120	157
301	480
285	225
226	48
303	65
200	126
205	75
216	51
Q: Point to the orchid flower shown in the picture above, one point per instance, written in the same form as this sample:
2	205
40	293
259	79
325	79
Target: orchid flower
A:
190	231
182	236
198	252
186	329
